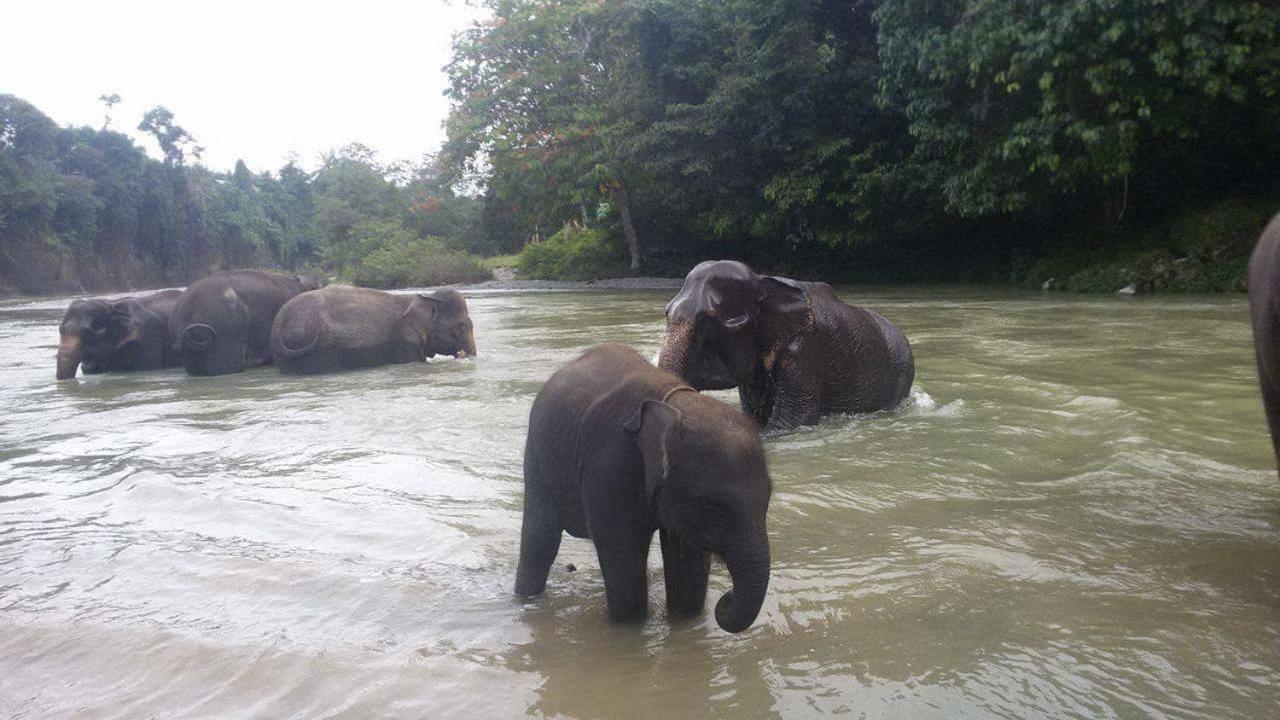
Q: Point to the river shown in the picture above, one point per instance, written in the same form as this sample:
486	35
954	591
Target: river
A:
1076	514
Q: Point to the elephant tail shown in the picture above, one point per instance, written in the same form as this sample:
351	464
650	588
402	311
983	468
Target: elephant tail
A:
197	337
294	339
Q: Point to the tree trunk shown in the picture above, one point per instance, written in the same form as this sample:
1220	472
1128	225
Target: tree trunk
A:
629	229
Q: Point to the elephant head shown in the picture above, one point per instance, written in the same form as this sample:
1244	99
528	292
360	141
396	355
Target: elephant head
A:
441	321
727	321
92	334
712	489
310	282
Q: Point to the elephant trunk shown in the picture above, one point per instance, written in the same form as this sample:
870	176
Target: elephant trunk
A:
469	345
677	350
748	563
70	354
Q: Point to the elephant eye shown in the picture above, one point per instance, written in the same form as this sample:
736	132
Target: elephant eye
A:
736	323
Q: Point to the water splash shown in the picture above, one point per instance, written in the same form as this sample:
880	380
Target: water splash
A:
920	403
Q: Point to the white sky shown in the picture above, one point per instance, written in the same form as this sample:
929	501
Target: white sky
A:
250	80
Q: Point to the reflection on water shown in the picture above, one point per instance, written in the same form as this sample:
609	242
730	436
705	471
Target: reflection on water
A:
1075	515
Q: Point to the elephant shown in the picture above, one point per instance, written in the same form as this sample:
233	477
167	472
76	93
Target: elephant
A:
128	333
618	449
793	349
343	327
1264	307
222	323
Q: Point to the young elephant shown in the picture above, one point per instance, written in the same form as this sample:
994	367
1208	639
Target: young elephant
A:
222	323
1264	306
618	449
350	327
129	333
793	349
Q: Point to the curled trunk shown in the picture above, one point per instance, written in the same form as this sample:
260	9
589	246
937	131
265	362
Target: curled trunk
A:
748	563
70	354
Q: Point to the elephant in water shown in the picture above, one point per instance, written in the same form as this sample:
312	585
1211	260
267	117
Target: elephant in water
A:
222	323
618	449
1264	306
793	349
350	327
129	333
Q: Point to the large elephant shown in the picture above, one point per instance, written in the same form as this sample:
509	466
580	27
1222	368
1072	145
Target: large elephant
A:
1264	306
222	323
793	349
618	449
129	333
350	327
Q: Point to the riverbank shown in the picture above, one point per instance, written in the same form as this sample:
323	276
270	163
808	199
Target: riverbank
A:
624	283
1205	248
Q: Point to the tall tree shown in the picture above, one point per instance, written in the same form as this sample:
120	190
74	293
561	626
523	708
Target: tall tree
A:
539	90
109	102
175	142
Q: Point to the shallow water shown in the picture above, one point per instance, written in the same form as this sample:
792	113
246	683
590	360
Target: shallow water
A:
1076	515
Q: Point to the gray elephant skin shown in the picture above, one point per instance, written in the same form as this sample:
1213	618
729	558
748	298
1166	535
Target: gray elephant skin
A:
794	350
1264	307
128	333
222	323
342	327
618	449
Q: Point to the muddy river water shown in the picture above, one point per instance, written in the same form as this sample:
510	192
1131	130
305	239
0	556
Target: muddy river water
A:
1076	514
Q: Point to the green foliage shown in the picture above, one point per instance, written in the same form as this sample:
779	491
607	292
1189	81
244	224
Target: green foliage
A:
1011	103
1203	249
540	107
882	139
784	128
351	189
501	261
403	260
573	254
94	195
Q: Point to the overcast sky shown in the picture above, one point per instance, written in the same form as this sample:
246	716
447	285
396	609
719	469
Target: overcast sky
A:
251	80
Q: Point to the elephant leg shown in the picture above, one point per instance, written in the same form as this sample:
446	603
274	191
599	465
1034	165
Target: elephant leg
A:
1268	376
539	543
797	399
684	570
624	558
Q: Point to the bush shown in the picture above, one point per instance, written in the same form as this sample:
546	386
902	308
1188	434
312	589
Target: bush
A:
1204	248
417	262
573	254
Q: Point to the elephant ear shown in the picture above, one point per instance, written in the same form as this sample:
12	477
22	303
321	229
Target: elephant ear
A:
122	316
309	282
421	316
652	426
785	309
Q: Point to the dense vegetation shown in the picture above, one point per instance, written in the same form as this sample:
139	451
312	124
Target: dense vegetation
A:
1084	144
85	208
865	139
